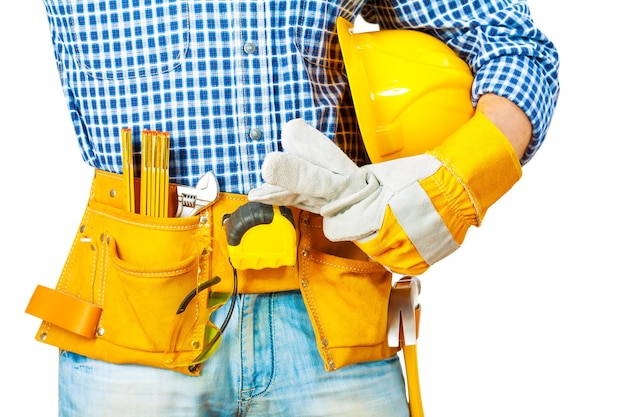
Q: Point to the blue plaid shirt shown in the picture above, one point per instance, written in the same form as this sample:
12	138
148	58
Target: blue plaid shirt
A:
223	76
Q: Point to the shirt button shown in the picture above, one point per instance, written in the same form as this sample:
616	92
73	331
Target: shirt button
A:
249	47
255	134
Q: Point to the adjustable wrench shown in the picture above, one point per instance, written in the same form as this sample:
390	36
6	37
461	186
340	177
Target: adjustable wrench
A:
193	200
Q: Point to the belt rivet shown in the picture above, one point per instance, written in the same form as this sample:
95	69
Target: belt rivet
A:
43	336
305	252
112	193
100	331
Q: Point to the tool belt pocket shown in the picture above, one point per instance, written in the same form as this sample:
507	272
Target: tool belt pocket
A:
347	296
140	300
136	270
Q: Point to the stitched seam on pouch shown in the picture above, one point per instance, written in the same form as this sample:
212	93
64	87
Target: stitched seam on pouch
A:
155	274
312	304
348	268
152	226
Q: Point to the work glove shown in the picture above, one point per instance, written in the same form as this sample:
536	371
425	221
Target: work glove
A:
406	213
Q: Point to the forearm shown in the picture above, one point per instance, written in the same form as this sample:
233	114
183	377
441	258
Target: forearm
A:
509	119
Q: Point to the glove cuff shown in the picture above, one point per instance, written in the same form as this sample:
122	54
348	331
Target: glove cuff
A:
483	161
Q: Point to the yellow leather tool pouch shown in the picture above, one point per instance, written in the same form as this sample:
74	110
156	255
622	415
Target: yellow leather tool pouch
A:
127	274
347	296
130	273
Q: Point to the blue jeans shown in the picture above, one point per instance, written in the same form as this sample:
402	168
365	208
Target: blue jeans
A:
267	365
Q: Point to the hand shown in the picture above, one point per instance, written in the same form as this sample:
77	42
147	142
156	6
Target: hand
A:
407	213
315	175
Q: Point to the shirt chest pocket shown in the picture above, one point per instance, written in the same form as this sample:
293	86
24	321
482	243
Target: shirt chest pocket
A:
316	38
122	39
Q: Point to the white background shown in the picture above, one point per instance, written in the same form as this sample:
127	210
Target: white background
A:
527	319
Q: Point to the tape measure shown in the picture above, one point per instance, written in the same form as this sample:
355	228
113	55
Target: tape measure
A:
261	236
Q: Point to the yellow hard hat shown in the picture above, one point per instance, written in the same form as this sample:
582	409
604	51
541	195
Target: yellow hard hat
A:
410	90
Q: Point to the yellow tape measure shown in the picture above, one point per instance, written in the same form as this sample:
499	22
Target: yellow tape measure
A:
261	236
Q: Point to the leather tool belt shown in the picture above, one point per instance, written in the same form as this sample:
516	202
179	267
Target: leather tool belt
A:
126	275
